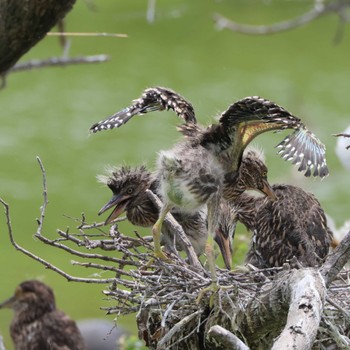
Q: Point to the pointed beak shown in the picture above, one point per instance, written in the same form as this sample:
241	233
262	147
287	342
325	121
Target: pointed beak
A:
8	303
268	191
224	241
119	202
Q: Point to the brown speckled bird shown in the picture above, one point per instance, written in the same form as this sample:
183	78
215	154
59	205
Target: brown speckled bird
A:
201	169
37	324
292	225
129	187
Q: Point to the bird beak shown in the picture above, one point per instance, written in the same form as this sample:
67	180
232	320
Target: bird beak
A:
224	242
8	303
268	191
120	202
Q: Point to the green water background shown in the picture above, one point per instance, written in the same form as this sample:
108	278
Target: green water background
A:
48	113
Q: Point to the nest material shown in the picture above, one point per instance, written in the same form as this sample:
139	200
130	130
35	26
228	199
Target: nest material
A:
249	309
164	294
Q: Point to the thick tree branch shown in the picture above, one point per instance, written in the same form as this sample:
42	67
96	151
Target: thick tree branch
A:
307	293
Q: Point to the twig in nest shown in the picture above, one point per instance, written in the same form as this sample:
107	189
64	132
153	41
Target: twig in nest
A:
175	227
226	339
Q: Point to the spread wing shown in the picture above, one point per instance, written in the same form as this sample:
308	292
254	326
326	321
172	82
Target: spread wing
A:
303	148
252	116
152	99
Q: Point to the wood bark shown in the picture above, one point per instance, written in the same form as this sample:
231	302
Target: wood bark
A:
23	23
307	296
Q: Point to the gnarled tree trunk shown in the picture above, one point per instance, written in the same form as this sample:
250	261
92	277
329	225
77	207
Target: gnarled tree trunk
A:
23	23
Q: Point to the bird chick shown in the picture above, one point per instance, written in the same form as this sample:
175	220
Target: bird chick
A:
37	324
129	187
293	224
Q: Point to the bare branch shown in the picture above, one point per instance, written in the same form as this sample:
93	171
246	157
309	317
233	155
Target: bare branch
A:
58	62
111	35
2	347
180	234
151	11
336	260
177	328
42	261
226	339
319	9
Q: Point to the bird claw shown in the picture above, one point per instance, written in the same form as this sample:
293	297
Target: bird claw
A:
213	288
159	255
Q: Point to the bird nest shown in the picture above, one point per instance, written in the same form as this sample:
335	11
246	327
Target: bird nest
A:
251	306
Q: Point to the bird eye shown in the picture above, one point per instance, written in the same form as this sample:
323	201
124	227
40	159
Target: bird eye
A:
130	190
264	174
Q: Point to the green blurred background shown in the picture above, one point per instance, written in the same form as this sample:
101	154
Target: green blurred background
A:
48	113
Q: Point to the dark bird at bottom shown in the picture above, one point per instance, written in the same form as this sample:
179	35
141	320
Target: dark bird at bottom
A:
37	324
292	225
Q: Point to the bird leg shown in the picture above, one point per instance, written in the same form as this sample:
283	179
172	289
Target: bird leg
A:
213	209
156	231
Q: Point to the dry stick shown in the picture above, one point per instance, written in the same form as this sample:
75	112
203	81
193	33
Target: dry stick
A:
175	227
2	347
42	261
113	35
341	340
318	10
40	226
226	339
345	313
56	244
336	260
53	242
177	328
58	62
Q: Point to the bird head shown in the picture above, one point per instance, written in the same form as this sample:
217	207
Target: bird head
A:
127	185
31	298
253	174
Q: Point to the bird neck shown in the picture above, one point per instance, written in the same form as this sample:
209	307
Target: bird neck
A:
29	314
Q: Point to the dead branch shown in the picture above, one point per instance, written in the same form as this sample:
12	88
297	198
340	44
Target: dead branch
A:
336	261
174	226
2	347
226	339
319	9
307	293
58	62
